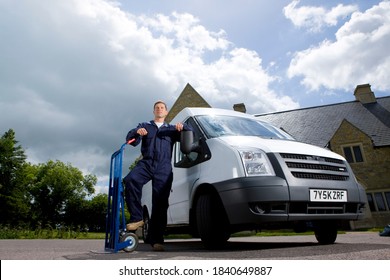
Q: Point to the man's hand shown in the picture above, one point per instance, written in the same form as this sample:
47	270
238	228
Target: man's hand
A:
142	131
179	126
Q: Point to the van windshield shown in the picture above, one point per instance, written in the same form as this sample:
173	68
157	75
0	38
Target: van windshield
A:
216	126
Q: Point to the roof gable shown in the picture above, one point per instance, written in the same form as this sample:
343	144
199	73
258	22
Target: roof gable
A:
189	97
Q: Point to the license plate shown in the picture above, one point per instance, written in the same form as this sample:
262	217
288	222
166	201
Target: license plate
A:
328	195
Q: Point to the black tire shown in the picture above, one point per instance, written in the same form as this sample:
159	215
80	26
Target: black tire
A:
145	228
325	232
212	222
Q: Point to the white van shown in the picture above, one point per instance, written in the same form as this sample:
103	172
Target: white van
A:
239	173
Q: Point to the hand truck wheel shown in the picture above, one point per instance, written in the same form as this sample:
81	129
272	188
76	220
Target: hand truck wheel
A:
132	238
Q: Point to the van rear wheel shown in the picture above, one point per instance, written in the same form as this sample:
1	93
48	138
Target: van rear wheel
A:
145	228
212	222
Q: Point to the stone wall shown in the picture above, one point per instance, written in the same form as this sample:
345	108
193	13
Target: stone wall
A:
373	173
189	97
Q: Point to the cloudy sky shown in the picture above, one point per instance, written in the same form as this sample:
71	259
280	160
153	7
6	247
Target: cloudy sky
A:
76	75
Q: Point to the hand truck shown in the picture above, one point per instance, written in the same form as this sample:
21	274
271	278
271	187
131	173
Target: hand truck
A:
117	237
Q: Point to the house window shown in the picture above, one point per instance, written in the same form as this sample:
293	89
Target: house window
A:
353	153
371	202
379	201
387	197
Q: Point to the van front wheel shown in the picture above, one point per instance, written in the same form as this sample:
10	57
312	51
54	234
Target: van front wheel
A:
325	232
212	222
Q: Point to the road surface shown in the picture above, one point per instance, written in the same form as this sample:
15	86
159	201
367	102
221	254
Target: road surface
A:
348	246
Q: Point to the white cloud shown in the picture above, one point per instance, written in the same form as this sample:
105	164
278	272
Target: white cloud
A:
315	19
251	85
77	75
185	31
358	55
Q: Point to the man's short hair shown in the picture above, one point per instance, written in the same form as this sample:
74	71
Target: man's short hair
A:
160	102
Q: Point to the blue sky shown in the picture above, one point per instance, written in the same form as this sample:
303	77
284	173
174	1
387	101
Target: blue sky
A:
76	75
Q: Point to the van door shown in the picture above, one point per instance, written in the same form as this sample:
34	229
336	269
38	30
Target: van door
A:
186	171
184	179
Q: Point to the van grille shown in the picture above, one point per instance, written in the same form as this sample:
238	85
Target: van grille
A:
320	208
316	167
301	207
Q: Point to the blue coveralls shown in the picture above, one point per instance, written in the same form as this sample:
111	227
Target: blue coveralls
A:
155	165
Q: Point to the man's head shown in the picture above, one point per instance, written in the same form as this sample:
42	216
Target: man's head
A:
160	110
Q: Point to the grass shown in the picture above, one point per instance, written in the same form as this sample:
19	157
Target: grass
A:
66	233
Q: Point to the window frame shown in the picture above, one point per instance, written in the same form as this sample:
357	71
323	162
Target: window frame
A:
181	160
372	198
351	147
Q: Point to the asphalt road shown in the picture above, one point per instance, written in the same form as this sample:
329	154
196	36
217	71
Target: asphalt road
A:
349	246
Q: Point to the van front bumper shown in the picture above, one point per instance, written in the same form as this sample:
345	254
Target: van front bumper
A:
256	200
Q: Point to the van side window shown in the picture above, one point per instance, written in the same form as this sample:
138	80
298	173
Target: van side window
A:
193	158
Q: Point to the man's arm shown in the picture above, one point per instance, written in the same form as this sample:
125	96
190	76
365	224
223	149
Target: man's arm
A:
133	134
180	127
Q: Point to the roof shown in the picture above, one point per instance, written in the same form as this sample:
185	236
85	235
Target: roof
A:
188	97
317	125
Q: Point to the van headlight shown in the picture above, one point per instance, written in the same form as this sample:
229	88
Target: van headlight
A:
256	162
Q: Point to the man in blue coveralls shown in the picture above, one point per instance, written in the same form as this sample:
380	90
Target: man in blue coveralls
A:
157	139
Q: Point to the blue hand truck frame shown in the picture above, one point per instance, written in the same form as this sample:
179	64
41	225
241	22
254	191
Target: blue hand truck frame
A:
117	238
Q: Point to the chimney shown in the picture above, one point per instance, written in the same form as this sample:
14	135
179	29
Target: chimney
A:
364	95
240	107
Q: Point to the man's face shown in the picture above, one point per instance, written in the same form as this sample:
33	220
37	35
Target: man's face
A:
160	111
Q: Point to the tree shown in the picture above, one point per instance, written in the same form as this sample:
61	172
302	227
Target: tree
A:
13	197
97	211
48	194
56	187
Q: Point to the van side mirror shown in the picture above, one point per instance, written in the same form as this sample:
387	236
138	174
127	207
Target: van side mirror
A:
187	144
